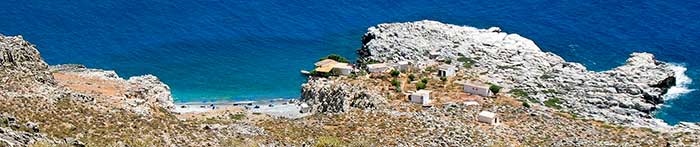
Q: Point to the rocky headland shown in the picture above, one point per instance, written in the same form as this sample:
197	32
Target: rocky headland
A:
626	95
545	101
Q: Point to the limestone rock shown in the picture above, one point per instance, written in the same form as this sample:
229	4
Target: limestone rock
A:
151	90
331	96
516	62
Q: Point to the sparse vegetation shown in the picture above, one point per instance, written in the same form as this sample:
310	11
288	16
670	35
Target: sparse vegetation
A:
519	93
553	103
411	77
549	91
396	84
525	104
238	116
420	85
327	141
466	62
395	73
448	61
424	80
546	76
443	79
336	57
495	88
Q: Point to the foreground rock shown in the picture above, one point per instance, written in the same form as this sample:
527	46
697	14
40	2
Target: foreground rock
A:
331	96
71	105
625	95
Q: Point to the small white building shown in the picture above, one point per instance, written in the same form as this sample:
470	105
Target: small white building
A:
304	108
377	68
402	66
488	117
421	97
477	88
446	70
342	69
434	54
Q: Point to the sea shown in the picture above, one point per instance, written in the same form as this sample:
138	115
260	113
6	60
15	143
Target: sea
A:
231	50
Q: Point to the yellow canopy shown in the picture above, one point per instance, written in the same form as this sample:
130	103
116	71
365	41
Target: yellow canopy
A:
326	68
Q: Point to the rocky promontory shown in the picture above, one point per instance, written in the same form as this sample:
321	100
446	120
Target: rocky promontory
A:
624	95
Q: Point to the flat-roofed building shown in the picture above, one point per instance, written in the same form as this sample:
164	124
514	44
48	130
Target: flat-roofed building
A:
477	88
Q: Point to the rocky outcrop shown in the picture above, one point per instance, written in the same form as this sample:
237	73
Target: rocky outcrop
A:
139	93
333	96
624	95
21	66
150	90
9	136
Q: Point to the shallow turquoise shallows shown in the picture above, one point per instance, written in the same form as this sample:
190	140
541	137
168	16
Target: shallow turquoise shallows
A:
223	50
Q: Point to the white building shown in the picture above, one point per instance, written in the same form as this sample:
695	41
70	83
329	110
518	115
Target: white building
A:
434	54
446	70
342	69
421	97
304	108
402	66
477	88
488	117
377	68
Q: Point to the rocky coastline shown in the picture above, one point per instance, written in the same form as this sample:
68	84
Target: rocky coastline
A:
626	95
72	105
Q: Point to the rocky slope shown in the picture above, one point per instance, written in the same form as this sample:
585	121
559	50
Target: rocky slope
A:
70	105
624	95
330	96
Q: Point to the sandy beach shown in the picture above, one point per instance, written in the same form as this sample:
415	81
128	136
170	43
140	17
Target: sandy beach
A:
284	108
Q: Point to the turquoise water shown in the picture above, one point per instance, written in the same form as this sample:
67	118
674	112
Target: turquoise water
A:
234	50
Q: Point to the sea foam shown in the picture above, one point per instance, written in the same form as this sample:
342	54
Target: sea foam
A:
682	83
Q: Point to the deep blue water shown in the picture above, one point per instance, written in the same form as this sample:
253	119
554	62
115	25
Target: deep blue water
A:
229	50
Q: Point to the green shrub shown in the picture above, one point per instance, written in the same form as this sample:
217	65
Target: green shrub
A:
411	77
448	61
549	91
495	88
546	76
420	85
395	73
526	105
424	80
519	93
466	62
429	69
237	116
395	82
553	103
371	62
443	79
336	57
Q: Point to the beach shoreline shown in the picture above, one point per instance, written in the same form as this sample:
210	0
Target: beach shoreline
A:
282	107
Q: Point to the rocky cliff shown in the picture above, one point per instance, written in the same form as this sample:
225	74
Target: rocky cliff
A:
624	95
26	79
335	96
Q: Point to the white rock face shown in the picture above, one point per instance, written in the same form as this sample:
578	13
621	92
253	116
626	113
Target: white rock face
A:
624	95
329	96
148	89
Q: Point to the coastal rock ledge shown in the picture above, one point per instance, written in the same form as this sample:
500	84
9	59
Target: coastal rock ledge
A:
625	95
329	96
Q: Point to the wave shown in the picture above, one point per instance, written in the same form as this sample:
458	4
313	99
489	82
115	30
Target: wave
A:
682	83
